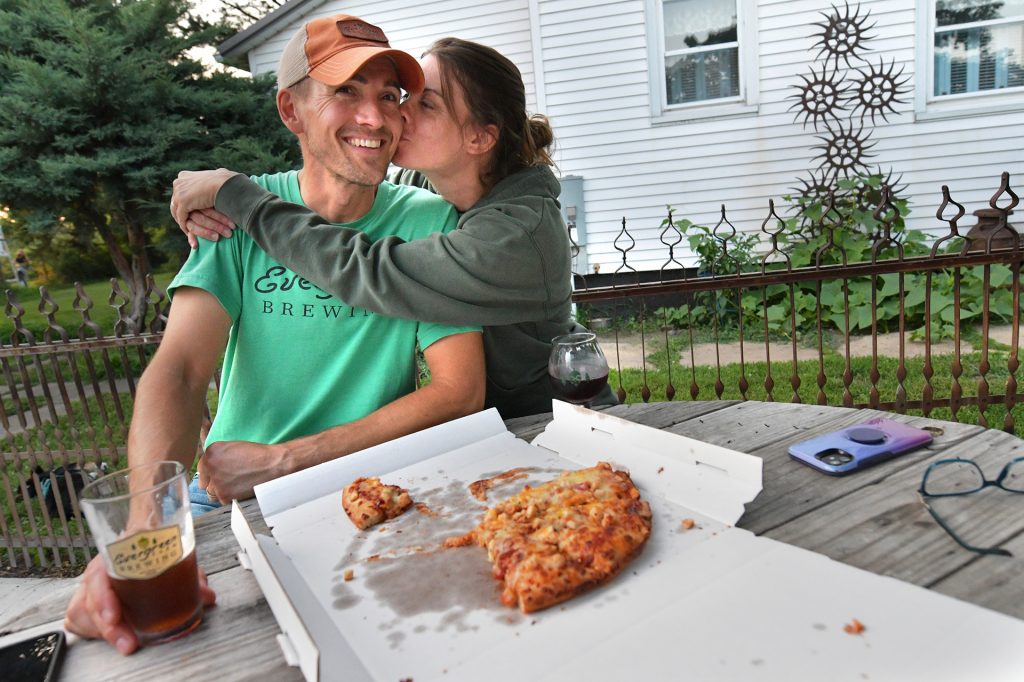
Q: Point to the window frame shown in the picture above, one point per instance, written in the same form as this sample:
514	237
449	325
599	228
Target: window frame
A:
927	105
744	104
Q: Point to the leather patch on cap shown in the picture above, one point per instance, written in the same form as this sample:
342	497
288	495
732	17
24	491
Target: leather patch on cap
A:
362	31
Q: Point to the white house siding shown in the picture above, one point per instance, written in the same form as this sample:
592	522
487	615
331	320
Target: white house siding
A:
596	79
596	90
413	26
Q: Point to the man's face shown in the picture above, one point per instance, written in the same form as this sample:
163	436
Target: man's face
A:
352	129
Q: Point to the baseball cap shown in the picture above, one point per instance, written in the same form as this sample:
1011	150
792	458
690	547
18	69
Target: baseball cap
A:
331	50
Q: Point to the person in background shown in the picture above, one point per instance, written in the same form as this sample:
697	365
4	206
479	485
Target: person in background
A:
306	378
506	267
21	263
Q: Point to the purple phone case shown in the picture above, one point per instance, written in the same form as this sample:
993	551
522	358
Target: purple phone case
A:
865	444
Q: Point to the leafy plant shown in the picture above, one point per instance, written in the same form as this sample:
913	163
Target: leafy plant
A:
845	227
720	250
825	228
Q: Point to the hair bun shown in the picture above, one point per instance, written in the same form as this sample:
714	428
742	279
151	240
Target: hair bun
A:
541	138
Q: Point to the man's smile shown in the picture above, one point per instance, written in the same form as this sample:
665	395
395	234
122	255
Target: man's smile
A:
364	142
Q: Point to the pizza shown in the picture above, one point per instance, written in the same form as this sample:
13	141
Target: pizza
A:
479	488
367	501
550	543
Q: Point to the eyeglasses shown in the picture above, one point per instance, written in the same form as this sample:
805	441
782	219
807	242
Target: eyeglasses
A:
959	477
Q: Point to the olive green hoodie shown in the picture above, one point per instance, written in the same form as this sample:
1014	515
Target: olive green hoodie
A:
506	267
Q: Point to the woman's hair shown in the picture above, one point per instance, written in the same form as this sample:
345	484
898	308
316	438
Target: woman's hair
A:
495	95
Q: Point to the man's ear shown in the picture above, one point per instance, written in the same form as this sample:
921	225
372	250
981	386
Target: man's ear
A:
287	110
481	139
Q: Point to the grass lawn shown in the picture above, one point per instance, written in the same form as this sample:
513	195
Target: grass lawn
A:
101	312
756	373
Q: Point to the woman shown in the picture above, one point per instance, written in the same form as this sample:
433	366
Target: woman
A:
506	267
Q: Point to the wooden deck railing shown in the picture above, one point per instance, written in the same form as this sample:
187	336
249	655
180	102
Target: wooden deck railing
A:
67	402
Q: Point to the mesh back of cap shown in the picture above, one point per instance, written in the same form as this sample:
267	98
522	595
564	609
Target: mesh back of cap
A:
293	66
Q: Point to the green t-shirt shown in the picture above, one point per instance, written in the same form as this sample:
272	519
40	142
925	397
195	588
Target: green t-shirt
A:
299	361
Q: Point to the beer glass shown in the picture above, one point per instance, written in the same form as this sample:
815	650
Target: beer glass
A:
142	525
577	368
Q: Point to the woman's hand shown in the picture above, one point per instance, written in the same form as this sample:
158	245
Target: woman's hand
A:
192	204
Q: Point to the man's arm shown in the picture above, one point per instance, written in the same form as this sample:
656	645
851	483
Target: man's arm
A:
457	386
179	376
166	421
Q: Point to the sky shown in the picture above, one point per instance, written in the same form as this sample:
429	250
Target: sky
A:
206	55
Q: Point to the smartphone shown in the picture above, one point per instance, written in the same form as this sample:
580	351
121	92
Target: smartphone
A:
857	447
33	660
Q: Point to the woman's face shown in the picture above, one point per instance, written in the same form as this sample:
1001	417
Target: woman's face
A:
433	136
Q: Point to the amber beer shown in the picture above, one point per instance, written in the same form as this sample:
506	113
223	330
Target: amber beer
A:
164	607
142	523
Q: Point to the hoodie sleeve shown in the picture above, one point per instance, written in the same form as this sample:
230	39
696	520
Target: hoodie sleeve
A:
490	271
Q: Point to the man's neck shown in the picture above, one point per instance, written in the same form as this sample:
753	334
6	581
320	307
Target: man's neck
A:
333	199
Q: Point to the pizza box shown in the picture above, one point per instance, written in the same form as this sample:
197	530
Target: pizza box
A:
713	602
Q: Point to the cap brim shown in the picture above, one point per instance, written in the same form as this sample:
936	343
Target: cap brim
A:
346	63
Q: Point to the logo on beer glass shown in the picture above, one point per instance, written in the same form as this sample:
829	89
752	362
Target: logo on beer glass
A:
146	554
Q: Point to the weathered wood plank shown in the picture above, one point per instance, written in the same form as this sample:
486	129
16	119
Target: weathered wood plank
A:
215	543
884	528
655	415
872	519
792	489
990	581
664	415
527	428
749	425
45	610
216	551
235	641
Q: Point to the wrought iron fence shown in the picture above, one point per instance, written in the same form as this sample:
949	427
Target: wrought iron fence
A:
67	402
785	306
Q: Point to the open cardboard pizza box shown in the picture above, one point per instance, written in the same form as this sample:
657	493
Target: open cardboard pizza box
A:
714	602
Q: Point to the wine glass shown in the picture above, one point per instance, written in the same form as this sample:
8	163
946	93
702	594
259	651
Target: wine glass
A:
577	368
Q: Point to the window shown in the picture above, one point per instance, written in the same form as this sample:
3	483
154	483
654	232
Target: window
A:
701	50
972	54
979	46
700	54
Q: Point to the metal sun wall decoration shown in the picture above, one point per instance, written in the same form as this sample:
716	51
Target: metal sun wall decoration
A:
838	96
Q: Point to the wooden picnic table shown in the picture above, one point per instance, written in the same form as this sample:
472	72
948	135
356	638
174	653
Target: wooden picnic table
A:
872	519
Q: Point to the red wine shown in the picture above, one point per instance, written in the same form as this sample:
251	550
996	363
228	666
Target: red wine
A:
578	391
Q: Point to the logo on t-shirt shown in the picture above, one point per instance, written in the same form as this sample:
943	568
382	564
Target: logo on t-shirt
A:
279	280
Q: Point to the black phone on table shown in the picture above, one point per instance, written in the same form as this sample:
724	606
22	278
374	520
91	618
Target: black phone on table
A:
36	659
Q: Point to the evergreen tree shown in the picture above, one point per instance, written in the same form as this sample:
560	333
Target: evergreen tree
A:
242	13
101	106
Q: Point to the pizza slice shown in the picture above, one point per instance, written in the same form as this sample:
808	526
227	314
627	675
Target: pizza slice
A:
368	502
550	543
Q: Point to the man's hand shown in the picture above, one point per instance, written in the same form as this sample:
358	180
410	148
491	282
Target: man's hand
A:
230	469
192	204
94	610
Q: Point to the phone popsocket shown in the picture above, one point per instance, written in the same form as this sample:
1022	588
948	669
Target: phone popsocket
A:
857	447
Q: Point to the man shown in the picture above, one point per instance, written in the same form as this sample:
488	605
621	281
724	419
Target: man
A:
298	362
